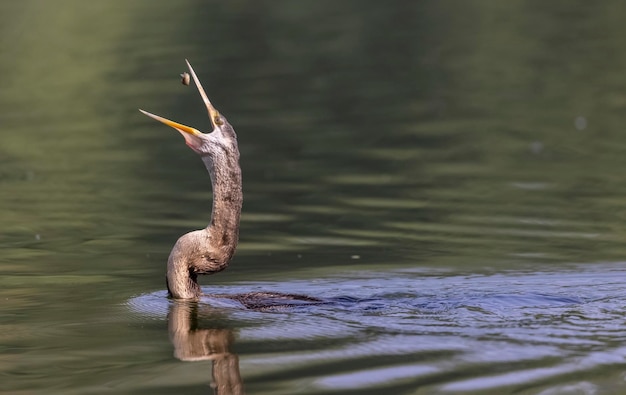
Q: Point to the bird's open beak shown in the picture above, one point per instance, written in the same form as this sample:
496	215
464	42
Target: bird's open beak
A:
193	137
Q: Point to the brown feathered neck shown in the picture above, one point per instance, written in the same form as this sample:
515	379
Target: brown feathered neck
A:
210	250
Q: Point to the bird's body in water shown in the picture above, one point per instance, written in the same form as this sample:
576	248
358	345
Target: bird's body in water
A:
210	250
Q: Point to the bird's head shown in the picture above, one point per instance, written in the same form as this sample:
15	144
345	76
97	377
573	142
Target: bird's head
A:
222	137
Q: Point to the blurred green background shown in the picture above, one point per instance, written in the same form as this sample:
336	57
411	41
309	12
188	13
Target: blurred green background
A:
468	136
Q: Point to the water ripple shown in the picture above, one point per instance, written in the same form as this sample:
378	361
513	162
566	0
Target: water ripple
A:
518	328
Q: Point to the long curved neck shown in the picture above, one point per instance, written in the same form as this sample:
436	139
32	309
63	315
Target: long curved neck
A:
209	250
223	228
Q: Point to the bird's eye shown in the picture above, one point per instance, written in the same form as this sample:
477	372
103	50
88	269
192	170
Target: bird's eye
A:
218	120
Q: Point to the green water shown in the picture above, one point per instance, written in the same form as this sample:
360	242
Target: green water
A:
450	173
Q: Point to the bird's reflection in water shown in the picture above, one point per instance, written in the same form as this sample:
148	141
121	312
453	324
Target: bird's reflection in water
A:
192	343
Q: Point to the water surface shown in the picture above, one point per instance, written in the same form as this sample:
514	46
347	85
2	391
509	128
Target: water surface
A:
450	174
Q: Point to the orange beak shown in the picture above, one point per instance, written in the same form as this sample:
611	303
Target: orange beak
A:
193	137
